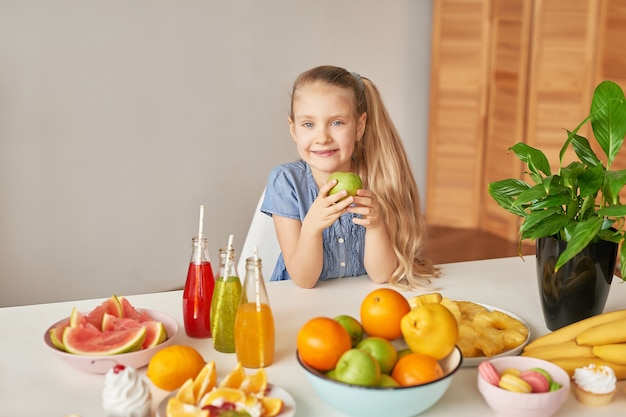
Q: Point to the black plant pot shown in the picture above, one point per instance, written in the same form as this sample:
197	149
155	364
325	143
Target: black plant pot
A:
580	287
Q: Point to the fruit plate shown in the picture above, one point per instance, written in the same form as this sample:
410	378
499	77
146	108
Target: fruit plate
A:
289	404
474	361
101	364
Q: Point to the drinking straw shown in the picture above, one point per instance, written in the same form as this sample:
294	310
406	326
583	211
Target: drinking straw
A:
228	260
257	284
201	222
196	299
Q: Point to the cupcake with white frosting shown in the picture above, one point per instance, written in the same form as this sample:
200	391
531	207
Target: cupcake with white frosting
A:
125	394
594	385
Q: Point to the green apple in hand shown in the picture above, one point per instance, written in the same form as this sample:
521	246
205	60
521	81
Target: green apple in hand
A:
348	181
382	350
358	367
354	328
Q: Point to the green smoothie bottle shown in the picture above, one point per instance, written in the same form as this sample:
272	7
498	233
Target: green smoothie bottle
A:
225	301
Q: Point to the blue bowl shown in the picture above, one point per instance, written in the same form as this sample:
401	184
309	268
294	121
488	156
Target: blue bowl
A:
360	401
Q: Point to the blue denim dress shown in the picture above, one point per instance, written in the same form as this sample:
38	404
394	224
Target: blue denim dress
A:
290	192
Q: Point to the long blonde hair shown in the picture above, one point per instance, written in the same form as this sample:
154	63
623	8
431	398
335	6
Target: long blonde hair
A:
380	160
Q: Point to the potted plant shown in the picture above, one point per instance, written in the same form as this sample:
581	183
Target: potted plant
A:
571	212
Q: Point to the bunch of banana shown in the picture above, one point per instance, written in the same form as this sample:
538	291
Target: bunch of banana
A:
600	339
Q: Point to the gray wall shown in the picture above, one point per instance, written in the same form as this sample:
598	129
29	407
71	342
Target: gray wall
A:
119	118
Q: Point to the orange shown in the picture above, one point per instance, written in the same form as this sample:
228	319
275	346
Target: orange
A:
271	406
321	342
416	369
177	408
185	393
234	378
231	395
381	313
255	383
205	380
170	367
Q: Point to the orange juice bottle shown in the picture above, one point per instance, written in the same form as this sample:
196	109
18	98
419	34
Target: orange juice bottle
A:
254	322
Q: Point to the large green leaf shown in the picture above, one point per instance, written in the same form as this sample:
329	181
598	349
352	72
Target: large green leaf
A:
612	211
505	192
552	201
584	152
584	232
550	226
536	192
608	118
590	180
614	181
534	158
537	217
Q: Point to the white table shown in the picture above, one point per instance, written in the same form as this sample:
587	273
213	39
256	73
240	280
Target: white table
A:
33	382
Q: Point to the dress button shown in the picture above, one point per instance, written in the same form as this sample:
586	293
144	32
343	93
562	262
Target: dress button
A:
342	264
340	240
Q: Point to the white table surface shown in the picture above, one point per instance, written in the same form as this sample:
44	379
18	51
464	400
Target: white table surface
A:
34	382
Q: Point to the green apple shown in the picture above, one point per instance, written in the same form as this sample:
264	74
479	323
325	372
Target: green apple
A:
358	367
387	381
353	326
331	374
348	181
382	350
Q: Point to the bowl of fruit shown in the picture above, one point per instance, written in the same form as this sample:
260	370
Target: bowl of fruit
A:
387	397
395	361
114	332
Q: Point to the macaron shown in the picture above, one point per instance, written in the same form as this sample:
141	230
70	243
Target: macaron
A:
514	383
537	381
489	372
512	371
543	372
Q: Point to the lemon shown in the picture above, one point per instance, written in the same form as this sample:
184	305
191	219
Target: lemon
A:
170	367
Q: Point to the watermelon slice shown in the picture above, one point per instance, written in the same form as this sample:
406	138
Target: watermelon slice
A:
78	319
110	306
56	334
91	341
128	310
155	333
110	322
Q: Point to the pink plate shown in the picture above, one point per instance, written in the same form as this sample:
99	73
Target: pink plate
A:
101	364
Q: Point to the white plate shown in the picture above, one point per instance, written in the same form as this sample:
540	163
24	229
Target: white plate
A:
289	404
469	362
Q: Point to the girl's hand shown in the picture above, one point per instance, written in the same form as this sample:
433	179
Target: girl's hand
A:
366	204
326	209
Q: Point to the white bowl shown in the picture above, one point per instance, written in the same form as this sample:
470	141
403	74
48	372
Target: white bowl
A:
101	364
360	401
514	404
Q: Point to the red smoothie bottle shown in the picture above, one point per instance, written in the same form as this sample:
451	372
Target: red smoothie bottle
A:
198	292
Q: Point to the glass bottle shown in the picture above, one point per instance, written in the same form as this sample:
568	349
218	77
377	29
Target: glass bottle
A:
198	291
254	324
226	298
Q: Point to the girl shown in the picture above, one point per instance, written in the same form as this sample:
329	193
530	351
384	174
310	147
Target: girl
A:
339	123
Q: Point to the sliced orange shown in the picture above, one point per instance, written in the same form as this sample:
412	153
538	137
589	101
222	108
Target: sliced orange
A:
205	381
235	378
177	408
185	393
271	406
231	395
255	383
